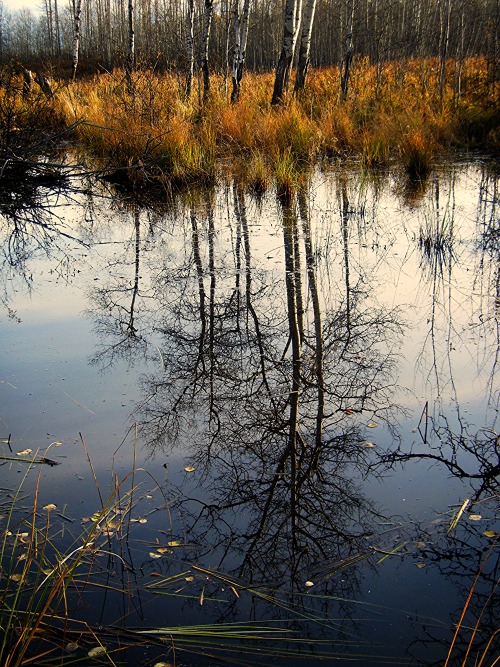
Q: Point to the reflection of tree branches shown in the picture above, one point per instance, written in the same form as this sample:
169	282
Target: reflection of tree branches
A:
475	457
29	221
471	561
279	466
114	310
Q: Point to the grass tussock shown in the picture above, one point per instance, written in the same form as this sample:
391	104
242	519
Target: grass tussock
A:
396	112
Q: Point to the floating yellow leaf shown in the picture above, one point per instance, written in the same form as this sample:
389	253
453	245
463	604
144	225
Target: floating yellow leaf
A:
164	550
309	583
475	517
71	647
50	506
97	651
174	544
189	578
154	555
490	533
189	469
16	577
367	443
143	520
420	565
25	452
372	424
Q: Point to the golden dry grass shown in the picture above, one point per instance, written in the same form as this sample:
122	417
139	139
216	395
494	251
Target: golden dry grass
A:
393	113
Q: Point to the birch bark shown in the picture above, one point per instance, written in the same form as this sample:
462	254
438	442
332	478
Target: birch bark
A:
190	48
240	46
130	63
76	34
305	44
285	62
209	8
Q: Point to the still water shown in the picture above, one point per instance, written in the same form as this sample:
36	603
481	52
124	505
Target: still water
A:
291	408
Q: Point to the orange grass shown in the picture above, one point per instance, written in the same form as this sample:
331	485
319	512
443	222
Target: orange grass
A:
392	114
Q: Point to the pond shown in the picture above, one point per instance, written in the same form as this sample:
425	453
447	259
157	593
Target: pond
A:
267	428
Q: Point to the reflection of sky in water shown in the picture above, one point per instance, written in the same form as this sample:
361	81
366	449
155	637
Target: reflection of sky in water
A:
50	392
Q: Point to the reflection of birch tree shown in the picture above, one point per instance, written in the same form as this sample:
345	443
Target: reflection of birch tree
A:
279	454
114	308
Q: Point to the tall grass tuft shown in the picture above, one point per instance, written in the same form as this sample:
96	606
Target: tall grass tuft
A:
394	113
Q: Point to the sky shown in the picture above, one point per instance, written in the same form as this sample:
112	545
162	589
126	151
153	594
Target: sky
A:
11	5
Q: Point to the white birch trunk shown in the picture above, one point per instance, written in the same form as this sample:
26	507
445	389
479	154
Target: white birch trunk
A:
209	8
287	51
190	48
130	63
240	46
305	44
76	34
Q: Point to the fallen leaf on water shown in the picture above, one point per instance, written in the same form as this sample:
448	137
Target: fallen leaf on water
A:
420	565
367	443
143	520
154	555
189	469
71	647
372	424
475	517
96	651
174	544
50	506
164	550
490	533
420	545
309	583
16	577
189	578
25	452
348	411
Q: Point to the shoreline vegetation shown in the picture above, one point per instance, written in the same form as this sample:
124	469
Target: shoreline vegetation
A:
151	134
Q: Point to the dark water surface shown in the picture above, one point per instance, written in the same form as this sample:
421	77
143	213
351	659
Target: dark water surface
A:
307	391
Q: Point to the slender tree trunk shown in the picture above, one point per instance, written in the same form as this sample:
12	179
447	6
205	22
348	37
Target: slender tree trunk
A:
130	62
50	25
240	46
209	8
76	34
445	39
305	45
285	62
190	48
348	56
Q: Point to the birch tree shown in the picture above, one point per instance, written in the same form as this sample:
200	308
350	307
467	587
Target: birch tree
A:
130	62
305	44
77	14
348	56
240	46
285	62
190	48
209	9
